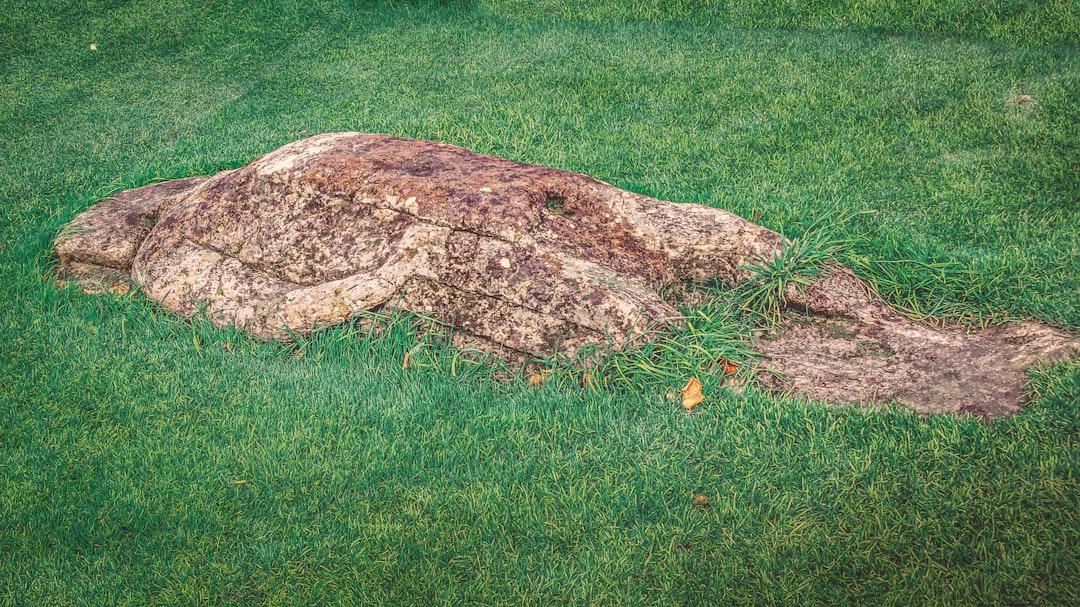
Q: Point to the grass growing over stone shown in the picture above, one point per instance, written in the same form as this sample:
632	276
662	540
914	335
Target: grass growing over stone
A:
148	460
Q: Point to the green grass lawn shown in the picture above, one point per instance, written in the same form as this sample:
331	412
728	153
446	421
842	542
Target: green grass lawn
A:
148	460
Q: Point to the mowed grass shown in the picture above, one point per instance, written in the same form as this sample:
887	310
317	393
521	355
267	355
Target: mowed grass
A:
148	460
1019	22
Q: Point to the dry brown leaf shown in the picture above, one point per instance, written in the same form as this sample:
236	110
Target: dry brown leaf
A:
729	367
691	394
119	288
537	379
406	361
700	500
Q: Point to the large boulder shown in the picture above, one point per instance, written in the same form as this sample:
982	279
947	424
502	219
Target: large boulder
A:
521	259
310	235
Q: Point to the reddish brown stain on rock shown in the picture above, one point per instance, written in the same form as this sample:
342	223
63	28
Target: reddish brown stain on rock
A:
519	258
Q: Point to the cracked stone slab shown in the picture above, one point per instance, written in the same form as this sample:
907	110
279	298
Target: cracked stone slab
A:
524	259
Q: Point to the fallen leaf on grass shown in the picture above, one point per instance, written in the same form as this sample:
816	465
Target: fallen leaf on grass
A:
729	367
406	360
700	500
119	289
691	394
537	379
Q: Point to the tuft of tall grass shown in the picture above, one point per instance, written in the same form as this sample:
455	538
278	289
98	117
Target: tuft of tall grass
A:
763	294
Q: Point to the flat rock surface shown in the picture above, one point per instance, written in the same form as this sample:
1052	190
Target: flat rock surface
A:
852	348
522	260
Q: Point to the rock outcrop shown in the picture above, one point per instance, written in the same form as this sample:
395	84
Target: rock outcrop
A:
522	259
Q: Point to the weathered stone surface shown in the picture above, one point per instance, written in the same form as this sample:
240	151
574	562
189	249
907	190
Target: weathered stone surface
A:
319	230
523	259
853	348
